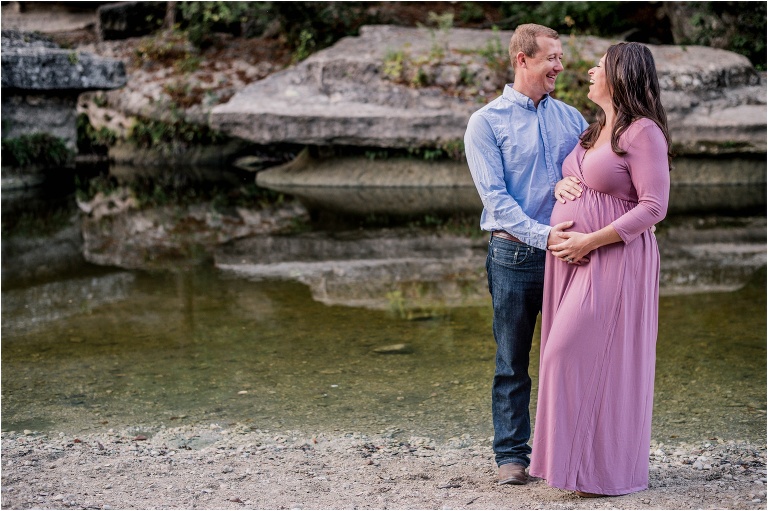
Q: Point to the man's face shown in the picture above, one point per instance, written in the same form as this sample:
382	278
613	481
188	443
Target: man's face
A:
545	65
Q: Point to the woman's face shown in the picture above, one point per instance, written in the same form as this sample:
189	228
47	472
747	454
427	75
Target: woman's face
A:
598	88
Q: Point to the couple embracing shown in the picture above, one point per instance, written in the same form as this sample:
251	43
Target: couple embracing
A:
571	208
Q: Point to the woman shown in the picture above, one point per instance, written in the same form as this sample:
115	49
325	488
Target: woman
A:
601	295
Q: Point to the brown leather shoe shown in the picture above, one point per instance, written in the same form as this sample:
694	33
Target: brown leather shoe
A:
512	473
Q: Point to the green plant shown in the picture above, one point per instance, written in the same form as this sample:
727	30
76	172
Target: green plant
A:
439	27
465	76
189	64
394	65
325	22
90	139
496	58
305	47
100	100
39	149
73	57
165	48
201	19
420	78
470	12
596	18
735	26
454	149
377	155
151	133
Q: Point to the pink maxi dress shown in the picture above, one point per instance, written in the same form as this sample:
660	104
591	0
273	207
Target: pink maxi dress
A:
599	323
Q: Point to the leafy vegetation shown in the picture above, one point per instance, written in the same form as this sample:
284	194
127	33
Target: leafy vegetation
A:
594	18
92	140
735	26
201	19
39	149
167	47
439	26
496	57
169	136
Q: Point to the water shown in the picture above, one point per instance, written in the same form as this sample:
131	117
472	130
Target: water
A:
110	349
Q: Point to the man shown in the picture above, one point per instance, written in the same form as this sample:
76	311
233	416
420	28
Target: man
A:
515	148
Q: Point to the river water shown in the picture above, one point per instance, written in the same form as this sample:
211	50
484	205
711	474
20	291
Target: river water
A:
306	342
105	348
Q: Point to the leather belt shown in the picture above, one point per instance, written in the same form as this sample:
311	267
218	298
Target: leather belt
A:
505	235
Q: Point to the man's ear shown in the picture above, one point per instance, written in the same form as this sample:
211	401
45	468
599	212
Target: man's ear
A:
520	59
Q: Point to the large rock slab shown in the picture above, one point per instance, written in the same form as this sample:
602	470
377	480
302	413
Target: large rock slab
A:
30	63
345	94
41	83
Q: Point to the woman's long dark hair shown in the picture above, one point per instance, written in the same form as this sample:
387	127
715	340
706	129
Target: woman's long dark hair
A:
630	72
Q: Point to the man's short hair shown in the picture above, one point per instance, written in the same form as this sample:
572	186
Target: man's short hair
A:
524	40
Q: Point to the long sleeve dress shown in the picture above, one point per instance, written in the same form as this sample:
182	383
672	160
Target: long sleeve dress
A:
600	321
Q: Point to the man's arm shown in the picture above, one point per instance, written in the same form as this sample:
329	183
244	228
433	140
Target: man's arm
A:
485	165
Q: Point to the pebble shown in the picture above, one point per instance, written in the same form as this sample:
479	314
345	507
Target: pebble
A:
393	349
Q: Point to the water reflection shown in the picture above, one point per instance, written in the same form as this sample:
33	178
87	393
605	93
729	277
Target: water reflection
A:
205	346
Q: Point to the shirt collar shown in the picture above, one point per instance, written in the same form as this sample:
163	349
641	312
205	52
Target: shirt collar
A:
521	99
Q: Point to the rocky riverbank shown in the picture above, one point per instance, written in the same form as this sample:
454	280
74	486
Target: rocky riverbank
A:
235	467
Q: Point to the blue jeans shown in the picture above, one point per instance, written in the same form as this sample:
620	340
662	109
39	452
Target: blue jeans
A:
516	282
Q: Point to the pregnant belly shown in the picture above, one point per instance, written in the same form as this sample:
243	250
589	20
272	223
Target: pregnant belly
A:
590	212
564	212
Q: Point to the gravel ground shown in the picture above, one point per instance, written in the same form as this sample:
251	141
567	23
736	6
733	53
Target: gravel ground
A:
238	468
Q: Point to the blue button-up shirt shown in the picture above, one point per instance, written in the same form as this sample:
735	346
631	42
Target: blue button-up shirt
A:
515	153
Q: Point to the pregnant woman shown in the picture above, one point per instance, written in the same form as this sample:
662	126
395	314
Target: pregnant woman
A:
601	293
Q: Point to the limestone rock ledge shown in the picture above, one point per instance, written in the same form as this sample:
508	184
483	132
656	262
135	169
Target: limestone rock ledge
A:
715	99
41	83
37	65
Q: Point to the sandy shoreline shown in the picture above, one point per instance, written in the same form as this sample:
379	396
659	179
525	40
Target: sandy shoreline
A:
235	467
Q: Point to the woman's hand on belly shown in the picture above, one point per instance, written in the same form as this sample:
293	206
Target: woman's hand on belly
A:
568	188
576	245
573	248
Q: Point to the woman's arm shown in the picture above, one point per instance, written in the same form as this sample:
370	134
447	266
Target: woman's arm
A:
649	171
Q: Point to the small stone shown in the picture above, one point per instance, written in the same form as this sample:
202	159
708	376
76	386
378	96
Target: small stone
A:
27	431
698	465
393	349
227	469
